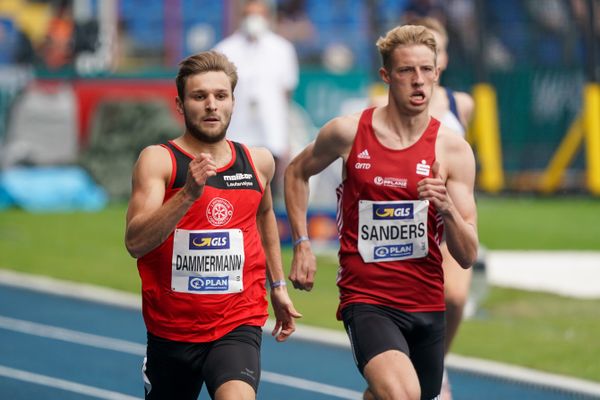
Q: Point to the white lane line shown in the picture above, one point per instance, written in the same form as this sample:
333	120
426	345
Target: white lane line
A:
62	384
312	386
68	335
124	346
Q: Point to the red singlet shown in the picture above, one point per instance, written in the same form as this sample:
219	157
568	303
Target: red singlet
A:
208	277
389	240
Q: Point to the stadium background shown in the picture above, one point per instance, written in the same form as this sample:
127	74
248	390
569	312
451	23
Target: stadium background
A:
531	51
91	108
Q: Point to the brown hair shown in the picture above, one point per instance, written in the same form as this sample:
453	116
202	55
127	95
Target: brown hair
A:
204	62
405	35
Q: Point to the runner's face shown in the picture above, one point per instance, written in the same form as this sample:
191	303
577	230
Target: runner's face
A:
411	77
207	106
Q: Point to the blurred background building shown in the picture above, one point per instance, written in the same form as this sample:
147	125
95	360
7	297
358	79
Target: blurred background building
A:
90	82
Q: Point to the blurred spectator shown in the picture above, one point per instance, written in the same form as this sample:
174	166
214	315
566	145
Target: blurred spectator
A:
293	22
581	13
267	67
7	41
550	31
462	30
57	49
425	8
15	46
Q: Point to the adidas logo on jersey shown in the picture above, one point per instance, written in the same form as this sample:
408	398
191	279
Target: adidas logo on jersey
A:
364	155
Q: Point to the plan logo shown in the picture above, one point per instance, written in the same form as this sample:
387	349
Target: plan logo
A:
393	251
207	284
393	211
209	240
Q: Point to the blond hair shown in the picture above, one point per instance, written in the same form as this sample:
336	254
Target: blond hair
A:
204	62
405	35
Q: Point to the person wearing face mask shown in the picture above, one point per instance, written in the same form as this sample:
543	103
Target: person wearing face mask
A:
268	74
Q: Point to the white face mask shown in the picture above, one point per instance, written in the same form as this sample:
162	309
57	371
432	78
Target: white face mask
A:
254	25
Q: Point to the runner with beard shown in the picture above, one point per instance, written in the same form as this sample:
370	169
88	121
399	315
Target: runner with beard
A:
201	224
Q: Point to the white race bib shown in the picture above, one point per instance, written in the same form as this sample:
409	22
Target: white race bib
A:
392	230
208	261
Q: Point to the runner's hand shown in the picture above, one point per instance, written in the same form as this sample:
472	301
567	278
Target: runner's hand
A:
304	267
200	169
434	189
285	314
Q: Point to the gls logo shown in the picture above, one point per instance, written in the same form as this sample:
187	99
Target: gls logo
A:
393	211
209	240
360	165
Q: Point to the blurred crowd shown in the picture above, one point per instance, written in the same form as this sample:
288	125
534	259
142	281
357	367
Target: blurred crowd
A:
337	34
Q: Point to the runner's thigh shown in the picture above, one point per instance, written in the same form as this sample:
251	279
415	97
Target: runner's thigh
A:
236	356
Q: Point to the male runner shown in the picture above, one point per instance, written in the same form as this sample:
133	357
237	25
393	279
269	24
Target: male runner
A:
201	224
406	179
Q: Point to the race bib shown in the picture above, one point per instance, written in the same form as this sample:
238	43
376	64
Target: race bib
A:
208	261
392	230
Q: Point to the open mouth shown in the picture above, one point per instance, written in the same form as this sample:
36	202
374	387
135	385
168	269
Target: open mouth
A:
417	97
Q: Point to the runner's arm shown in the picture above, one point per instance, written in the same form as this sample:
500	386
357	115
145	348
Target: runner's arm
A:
149	221
450	189
461	223
285	313
333	141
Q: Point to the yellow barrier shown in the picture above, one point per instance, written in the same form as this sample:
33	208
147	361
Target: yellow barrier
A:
552	177
591	123
584	130
486	130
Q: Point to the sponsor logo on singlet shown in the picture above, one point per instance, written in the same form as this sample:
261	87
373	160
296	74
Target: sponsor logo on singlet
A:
423	168
209	241
364	155
237	177
390	181
219	211
238	180
361	165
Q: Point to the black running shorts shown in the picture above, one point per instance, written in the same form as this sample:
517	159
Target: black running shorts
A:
374	329
177	370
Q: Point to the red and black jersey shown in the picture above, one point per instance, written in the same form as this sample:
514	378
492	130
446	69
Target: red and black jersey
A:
208	277
387	255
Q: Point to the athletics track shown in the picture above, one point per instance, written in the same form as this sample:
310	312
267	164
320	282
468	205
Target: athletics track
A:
67	347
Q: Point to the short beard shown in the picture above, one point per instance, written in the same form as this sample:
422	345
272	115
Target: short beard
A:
202	135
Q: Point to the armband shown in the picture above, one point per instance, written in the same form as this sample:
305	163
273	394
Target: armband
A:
276	284
300	240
